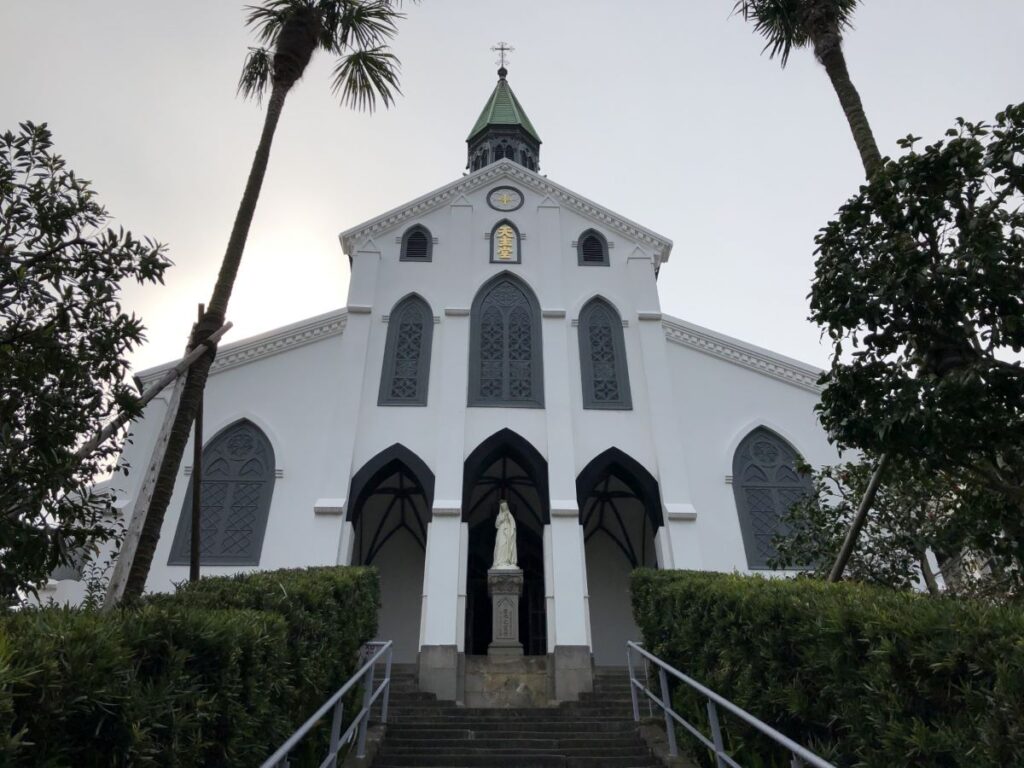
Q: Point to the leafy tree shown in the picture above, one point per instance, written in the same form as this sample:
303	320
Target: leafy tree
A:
291	31
917	510
788	24
907	516
918	285
63	345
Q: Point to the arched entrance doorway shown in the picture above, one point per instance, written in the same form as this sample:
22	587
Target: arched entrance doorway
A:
620	511
391	505
505	466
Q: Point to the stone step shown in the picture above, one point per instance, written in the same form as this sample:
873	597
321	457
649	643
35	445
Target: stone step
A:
456	730
512	760
562	746
559	716
389	753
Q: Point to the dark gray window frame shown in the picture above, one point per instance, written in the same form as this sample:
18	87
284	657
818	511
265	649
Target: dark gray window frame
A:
742	460
519	242
405	243
625	401
182	538
606	261
391	348
536	346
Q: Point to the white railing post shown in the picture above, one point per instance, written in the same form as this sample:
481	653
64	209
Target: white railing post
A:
387	688
632	684
339	713
716	734
666	705
367	697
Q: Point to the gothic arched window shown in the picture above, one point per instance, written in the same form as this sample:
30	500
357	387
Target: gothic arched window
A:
766	484
592	249
237	483
417	244
505	364
603	358
406	371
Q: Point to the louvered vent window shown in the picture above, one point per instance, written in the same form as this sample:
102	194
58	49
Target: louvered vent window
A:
765	484
417	244
404	377
237	484
603	358
592	249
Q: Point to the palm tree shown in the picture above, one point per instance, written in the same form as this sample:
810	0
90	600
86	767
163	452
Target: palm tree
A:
788	24
290	31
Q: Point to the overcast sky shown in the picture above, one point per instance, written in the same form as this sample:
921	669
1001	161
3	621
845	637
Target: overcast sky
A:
663	111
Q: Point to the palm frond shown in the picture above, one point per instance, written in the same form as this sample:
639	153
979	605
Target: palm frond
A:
360	24
256	73
268	19
778	22
364	75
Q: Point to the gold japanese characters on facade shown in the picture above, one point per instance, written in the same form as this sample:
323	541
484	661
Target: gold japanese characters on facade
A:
505	243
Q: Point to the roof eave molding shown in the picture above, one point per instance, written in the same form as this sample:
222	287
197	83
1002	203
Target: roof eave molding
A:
352	239
263	345
743	354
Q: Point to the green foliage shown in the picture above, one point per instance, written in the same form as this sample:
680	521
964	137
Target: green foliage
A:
916	510
788	24
355	31
64	341
211	676
918	285
330	612
861	675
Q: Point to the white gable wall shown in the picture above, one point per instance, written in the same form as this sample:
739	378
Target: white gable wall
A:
720	403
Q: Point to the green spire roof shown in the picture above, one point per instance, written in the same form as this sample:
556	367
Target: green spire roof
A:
503	108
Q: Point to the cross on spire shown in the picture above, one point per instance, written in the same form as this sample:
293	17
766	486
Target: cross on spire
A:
502	49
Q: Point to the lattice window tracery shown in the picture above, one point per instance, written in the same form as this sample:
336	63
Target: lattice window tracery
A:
404	378
506	359
237	484
765	484
603	358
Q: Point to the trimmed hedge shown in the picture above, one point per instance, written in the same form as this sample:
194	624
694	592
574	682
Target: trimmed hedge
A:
862	675
330	613
210	676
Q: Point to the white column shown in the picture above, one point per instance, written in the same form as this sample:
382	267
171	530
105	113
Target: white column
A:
339	449
568	575
441	576
678	546
443	619
563	538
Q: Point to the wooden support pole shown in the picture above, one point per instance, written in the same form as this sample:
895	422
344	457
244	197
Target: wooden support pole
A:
137	518
197	483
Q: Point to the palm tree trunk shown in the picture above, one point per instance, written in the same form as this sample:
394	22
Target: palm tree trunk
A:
196	381
835	65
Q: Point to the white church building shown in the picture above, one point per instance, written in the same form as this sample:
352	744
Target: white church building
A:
502	339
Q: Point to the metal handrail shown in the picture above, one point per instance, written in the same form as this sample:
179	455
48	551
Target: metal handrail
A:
801	755
338	739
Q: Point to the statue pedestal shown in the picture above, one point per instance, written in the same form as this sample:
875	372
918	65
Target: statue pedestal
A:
505	585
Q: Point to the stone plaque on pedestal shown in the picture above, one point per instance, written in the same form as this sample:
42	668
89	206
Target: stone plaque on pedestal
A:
505	585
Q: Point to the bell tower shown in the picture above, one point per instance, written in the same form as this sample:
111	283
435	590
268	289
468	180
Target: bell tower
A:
503	131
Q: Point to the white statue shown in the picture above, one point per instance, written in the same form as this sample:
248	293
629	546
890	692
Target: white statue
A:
505	555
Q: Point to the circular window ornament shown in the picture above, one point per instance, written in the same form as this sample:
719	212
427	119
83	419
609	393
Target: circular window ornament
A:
505	199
